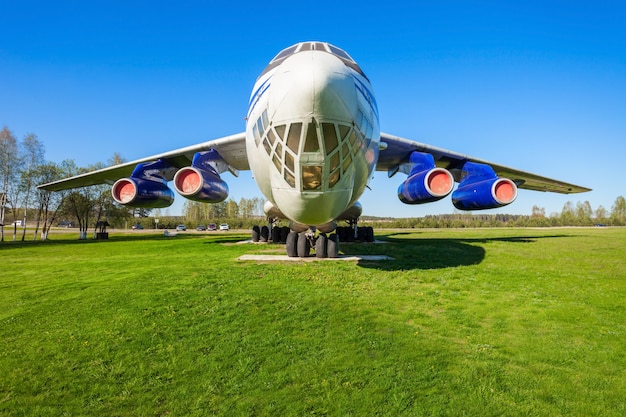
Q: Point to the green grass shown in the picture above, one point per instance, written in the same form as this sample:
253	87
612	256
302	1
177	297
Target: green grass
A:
489	322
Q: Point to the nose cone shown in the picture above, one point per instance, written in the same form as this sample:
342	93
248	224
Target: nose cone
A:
312	208
315	84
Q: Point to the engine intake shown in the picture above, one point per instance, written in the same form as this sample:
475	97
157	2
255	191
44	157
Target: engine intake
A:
140	192
200	184
426	183
482	189
201	181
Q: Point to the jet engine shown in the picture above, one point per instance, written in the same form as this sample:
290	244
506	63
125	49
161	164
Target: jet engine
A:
200	184
482	189
426	183
139	192
201	181
146	187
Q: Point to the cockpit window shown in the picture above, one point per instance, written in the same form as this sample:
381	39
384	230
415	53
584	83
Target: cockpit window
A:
285	53
317	46
339	52
311	143
311	177
293	139
330	137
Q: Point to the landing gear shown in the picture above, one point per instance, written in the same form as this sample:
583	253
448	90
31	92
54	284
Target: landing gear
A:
304	245
321	245
355	233
300	244
326	246
292	244
262	234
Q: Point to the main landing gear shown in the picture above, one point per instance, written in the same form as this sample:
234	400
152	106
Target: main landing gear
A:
300	244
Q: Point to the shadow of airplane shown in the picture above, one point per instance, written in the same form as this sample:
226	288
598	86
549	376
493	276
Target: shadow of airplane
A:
430	253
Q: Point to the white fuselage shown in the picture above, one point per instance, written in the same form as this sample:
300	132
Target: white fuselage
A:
312	133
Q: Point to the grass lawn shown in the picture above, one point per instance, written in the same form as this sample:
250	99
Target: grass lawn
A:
482	322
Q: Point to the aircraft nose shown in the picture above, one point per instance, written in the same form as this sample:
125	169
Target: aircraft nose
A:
316	84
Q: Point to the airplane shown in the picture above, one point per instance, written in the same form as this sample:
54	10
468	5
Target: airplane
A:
312	141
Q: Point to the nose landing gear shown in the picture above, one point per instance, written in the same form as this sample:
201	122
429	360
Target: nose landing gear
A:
300	244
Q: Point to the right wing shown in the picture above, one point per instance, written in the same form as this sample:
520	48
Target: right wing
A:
398	150
231	148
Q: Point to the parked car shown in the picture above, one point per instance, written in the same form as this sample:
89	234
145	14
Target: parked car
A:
181	228
136	227
224	226
201	228
212	226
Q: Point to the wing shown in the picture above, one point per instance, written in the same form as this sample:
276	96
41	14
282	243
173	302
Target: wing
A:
398	150
231	148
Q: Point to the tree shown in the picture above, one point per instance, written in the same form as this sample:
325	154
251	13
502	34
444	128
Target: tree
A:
79	203
32	157
583	213
49	202
538	211
618	211
601	214
567	214
116	159
8	165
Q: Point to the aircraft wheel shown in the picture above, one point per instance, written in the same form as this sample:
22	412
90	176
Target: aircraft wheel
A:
284	232
320	246
369	234
292	244
265	233
256	232
304	246
341	234
332	246
349	234
276	234
361	234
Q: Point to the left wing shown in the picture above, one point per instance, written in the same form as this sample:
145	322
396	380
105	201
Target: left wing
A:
398	151
232	149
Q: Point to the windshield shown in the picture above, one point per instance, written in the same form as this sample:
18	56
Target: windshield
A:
313	46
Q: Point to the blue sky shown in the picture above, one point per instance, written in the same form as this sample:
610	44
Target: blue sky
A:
536	85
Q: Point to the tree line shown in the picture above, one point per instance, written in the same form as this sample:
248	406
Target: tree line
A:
22	205
23	167
579	214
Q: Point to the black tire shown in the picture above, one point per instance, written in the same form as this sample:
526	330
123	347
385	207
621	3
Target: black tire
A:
275	234
332	247
284	232
292	244
304	246
265	233
369	234
256	233
320	246
360	234
349	234
341	233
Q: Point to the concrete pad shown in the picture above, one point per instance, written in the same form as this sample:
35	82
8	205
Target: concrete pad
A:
285	258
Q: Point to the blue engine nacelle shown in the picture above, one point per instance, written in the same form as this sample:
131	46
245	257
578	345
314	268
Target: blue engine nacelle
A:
200	184
201	181
141	192
481	189
425	183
